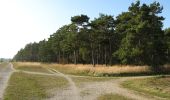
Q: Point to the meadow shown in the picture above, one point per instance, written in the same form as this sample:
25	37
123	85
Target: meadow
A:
156	86
106	71
24	86
87	80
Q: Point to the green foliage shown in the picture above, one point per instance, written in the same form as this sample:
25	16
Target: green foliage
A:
29	53
142	38
103	39
32	87
80	19
46	53
167	38
135	37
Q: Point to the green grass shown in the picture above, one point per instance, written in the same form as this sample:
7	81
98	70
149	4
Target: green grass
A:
91	79
71	71
31	67
2	65
32	87
112	97
103	71
88	70
83	80
158	86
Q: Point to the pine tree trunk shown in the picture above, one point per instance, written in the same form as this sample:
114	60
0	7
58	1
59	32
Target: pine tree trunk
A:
97	57
63	58
75	58
105	56
93	60
77	61
59	57
110	52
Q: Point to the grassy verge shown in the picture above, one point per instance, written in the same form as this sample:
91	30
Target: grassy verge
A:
32	87
112	97
158	86
34	67
91	79
99	71
89	70
2	65
83	80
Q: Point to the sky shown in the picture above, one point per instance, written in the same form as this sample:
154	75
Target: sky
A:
25	21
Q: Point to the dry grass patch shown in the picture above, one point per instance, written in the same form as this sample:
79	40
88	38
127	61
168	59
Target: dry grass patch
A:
157	86
91	79
24	86
100	70
112	97
2	65
89	70
86	80
29	66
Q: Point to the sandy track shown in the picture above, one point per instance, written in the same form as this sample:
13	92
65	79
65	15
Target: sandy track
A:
87	90
70	93
92	90
5	73
36	73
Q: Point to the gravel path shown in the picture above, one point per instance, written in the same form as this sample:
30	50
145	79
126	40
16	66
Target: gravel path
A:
92	90
86	91
70	93
37	73
5	73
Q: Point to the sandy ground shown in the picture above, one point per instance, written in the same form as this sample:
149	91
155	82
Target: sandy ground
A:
86	91
92	90
70	93
5	73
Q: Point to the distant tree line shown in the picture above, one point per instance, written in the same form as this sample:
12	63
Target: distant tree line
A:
4	60
135	37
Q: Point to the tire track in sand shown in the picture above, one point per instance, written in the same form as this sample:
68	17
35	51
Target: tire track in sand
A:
5	74
70	93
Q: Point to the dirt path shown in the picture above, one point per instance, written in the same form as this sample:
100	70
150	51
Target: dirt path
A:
36	73
89	90
92	90
5	73
70	93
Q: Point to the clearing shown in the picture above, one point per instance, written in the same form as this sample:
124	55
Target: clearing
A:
5	73
48	83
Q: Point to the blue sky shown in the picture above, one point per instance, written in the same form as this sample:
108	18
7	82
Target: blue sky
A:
24	21
60	11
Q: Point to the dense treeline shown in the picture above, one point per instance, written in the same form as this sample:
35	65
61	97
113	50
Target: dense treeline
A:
134	37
